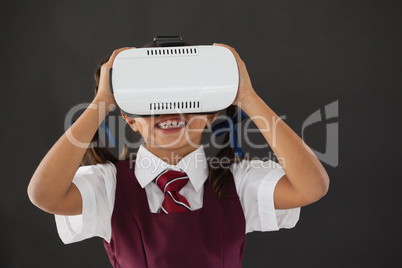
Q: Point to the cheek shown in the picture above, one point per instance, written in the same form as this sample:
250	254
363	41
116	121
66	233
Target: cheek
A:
143	127
197	126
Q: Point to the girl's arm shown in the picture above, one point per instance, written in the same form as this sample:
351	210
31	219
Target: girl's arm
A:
51	188
306	180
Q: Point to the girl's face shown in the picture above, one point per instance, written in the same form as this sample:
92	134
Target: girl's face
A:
171	131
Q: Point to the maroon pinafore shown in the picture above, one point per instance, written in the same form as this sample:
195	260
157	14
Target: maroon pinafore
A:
213	236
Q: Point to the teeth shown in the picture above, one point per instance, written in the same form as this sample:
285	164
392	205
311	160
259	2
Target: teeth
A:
171	124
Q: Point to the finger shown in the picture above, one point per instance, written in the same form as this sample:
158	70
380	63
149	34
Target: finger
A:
237	56
223	45
116	52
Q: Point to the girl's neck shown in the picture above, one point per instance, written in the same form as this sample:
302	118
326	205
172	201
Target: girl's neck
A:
171	156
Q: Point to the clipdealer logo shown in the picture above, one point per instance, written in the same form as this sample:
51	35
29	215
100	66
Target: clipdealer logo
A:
330	112
328	115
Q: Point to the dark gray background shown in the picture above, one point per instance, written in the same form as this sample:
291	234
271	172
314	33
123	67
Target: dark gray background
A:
301	56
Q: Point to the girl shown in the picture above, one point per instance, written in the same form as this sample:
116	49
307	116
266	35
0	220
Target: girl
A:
170	207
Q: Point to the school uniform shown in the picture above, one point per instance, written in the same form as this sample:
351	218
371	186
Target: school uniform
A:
121	204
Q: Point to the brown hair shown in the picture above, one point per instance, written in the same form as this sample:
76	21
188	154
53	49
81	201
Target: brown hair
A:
217	173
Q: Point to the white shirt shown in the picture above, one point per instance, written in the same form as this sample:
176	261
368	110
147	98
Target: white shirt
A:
255	181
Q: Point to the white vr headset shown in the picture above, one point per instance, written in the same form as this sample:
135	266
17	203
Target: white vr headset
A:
174	78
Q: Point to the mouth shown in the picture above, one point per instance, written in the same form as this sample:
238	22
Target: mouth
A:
171	124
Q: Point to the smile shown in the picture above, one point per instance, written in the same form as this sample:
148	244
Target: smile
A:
171	124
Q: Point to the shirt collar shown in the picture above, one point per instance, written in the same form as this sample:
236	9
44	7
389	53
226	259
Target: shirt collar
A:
148	166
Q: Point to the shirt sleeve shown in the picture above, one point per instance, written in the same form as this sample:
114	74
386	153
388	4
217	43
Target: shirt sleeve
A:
97	185
255	182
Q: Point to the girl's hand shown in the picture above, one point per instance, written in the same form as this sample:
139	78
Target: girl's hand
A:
104	93
245	88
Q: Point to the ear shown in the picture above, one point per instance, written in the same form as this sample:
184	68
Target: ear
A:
130	121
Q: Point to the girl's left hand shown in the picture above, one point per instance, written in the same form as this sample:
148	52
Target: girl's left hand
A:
245	88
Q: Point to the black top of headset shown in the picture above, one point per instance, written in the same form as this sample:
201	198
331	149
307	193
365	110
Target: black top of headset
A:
169	41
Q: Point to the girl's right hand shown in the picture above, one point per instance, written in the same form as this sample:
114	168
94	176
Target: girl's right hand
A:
104	93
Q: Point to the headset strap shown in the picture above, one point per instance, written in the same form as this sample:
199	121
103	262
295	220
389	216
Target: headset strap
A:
169	41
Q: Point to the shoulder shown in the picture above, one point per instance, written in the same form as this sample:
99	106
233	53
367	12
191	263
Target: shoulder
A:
251	176
97	184
98	169
255	182
254	166
102	174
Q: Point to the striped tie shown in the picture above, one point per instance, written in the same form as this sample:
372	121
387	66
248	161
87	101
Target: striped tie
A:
170	182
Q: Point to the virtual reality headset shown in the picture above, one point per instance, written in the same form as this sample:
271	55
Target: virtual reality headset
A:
174	78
